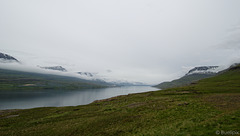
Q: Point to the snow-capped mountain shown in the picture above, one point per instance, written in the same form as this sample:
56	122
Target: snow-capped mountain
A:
7	58
102	78
193	75
204	70
58	68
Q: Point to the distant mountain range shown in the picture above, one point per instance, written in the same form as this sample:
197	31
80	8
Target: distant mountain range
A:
95	77
192	76
6	57
87	76
126	83
17	80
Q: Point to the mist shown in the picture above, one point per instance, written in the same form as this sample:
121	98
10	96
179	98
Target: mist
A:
137	40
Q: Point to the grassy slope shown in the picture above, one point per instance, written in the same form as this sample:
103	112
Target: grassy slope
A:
201	109
11	80
227	82
183	81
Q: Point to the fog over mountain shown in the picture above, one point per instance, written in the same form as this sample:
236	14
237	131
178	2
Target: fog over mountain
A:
146	41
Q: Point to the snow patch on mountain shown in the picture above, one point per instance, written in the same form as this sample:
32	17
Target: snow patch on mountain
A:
204	70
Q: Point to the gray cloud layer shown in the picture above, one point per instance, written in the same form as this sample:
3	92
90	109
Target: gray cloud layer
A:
141	40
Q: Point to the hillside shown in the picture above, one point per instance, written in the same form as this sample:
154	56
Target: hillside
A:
192	76
209	107
227	81
185	80
11	80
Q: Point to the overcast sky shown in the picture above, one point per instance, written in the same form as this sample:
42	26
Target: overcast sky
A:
138	40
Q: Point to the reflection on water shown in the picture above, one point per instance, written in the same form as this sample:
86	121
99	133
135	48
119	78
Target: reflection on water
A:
56	98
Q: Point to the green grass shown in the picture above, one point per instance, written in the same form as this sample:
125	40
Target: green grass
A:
183	81
227	82
201	109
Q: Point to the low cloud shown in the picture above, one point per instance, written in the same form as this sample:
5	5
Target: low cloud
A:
232	40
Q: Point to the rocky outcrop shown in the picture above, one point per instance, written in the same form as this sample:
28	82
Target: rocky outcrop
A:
6	57
58	68
203	70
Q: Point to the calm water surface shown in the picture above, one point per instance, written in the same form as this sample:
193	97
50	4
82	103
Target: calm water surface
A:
56	98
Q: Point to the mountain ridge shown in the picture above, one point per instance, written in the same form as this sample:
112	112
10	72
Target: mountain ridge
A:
12	79
7	57
203	70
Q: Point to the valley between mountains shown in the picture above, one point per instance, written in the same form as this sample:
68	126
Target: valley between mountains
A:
205	106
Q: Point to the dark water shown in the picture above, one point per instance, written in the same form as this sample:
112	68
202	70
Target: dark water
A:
56	98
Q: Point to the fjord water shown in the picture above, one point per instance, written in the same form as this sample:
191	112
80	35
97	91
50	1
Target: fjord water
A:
56	98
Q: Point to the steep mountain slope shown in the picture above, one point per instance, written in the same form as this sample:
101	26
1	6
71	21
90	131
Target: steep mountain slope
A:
6	57
193	75
11	80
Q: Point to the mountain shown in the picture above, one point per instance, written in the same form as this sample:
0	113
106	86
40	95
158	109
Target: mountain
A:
192	76
12	80
126	83
93	77
226	81
235	65
96	77
58	68
6	57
